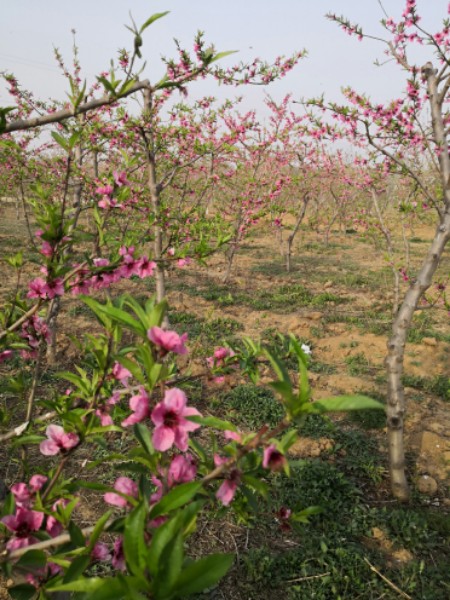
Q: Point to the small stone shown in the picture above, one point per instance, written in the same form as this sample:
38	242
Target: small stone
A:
315	316
429	341
377	533
427	485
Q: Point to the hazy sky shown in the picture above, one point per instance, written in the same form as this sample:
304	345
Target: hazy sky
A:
30	28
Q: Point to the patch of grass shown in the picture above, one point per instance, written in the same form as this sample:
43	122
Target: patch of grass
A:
327	297
328	560
210	332
357	364
284	298
252	407
321	367
439	385
81	310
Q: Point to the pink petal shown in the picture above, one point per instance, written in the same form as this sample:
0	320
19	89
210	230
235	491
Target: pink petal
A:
226	492
54	432
175	399
163	438
49	448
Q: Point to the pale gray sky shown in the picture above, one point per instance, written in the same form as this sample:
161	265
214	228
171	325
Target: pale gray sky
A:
30	28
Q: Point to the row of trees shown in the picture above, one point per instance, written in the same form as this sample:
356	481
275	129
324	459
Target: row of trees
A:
113	195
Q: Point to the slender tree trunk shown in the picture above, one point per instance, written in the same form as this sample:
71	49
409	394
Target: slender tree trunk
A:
402	323
160	278
291	237
230	258
55	306
390	250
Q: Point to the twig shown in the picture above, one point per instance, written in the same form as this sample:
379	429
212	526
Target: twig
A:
298	579
17	431
388	581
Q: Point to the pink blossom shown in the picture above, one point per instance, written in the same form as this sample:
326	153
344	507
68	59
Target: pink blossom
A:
53	526
125	486
46	249
139	404
101	262
182	262
182	470
5	355
120	178
145	267
120	373
227	490
37	288
22	494
273	459
233	435
104	416
106	190
37	482
58	441
100	552
118	557
22	524
171	424
156	496
170	341
55	287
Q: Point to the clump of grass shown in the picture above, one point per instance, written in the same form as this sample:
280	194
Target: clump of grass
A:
251	406
357	364
439	385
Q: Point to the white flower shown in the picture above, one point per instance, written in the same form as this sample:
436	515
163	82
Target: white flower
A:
306	349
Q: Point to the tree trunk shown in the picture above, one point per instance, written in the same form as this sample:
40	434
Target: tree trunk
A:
290	239
402	323
390	250
160	278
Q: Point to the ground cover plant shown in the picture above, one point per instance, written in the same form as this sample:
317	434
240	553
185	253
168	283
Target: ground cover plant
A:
187	294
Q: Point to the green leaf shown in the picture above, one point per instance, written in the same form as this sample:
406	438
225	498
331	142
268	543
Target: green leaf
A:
175	498
143	436
152	19
283	388
169	567
122	317
257	484
90	585
22	592
98	529
76	535
32	560
344	403
133	541
221	55
278	366
204	573
167	531
213	422
92	485
28	439
105	429
126	87
59	139
157	314
77	567
302	515
107	85
132	367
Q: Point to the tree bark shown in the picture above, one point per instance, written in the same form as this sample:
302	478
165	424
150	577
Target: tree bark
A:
290	239
402	323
